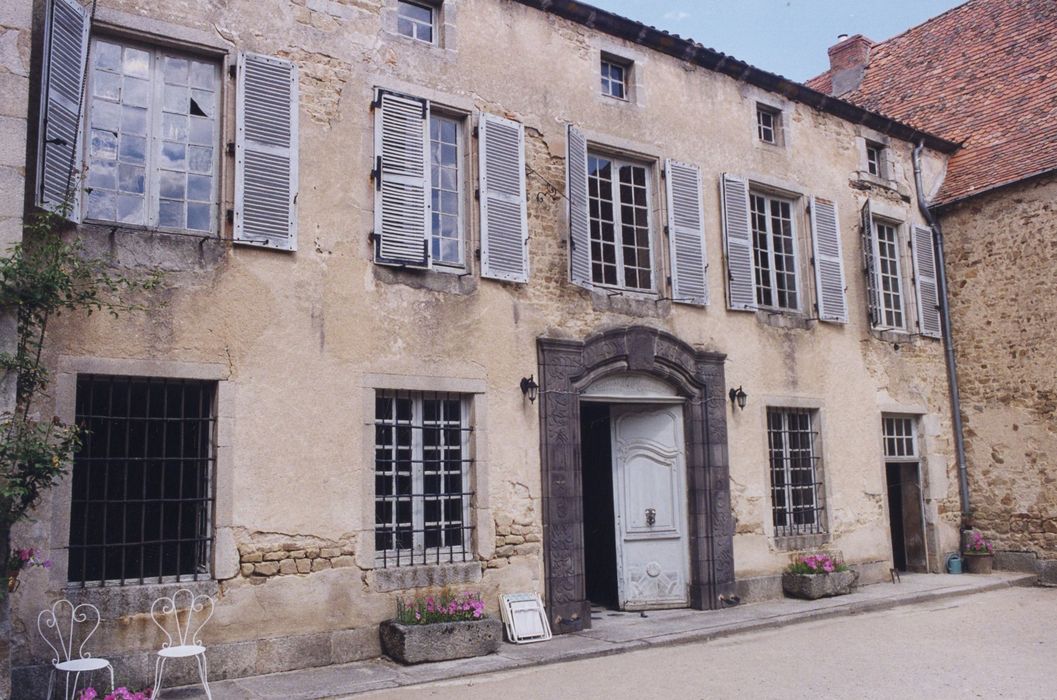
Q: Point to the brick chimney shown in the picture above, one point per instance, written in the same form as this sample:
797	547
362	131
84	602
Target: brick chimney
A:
848	59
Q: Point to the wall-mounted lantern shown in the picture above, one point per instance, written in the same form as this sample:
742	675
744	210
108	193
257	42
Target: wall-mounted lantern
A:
738	396
530	388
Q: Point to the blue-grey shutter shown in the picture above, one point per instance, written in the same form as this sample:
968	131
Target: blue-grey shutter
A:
829	263
66	25
266	152
686	233
869	261
737	243
504	224
402	181
579	221
925	277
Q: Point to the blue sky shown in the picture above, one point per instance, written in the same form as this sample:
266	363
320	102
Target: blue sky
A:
788	37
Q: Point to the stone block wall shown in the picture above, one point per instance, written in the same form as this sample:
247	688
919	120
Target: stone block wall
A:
1001	257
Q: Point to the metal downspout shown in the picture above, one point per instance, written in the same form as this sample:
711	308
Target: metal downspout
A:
948	342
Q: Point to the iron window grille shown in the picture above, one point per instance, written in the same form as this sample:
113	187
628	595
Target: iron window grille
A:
796	491
774	252
900	438
142	492
422	488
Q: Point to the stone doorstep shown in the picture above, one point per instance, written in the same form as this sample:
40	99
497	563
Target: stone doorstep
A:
621	633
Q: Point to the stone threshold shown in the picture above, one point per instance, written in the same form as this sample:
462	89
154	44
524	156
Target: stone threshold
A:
612	633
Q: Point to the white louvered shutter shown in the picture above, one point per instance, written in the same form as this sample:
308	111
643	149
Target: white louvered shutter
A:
686	233
579	221
869	261
925	276
402	181
504	223
737	242
829	264
266	152
66	26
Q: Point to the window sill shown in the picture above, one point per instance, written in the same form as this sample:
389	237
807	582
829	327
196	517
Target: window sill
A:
424	576
629	303
447	280
866	181
784	319
116	601
794	543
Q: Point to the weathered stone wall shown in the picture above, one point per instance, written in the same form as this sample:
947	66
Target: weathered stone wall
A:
1002	254
301	341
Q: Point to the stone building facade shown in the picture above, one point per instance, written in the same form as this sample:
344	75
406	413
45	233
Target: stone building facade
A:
429	203
997	214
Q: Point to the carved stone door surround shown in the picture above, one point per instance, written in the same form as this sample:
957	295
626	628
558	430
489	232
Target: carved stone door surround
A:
566	369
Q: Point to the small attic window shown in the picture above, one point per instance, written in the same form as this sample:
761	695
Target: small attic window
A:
768	124
615	76
416	20
875	159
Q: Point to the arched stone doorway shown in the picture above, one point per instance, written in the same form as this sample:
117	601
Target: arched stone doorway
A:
567	369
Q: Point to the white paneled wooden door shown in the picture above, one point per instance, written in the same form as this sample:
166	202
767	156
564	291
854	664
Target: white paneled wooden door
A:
650	506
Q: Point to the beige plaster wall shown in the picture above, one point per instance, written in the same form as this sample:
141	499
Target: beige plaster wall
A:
305	338
1002	252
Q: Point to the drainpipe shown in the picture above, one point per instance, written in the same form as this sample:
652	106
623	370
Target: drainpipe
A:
945	315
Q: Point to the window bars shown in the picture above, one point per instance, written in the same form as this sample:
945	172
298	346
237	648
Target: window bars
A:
796	492
422	479
142	496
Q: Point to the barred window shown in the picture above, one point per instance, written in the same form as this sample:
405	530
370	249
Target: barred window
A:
142	500
796	492
422	478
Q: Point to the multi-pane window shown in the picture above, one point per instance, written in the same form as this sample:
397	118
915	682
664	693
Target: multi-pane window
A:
415	20
422	478
445	148
885	277
614	78
618	193
900	441
796	502
768	123
142	495
774	252
152	138
874	162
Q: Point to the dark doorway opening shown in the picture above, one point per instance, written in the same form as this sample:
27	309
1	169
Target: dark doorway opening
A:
905	517
600	549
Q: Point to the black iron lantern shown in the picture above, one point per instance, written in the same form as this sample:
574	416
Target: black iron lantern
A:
530	388
738	396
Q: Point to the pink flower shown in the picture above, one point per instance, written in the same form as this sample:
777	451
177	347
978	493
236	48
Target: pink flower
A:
88	694
25	554
827	566
418	615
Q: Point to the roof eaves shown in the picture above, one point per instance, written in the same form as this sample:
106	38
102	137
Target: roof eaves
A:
946	204
693	52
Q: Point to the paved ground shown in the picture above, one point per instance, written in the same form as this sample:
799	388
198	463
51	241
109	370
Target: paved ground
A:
1001	644
617	633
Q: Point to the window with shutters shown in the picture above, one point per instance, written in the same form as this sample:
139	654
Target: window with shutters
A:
885	278
619	216
774	251
446	177
795	456
422	477
152	134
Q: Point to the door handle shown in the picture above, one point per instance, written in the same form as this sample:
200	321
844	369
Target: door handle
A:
651	516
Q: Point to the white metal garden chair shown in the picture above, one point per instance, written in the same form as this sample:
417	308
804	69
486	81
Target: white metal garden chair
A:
59	626
170	617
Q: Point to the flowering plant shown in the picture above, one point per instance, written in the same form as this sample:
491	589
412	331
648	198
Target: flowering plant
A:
118	694
24	559
977	544
816	564
443	607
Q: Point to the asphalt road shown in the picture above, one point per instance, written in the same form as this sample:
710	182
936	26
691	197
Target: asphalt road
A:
991	645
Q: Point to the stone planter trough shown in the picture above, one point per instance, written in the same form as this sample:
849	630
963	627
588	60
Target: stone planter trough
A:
815	586
978	563
441	641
